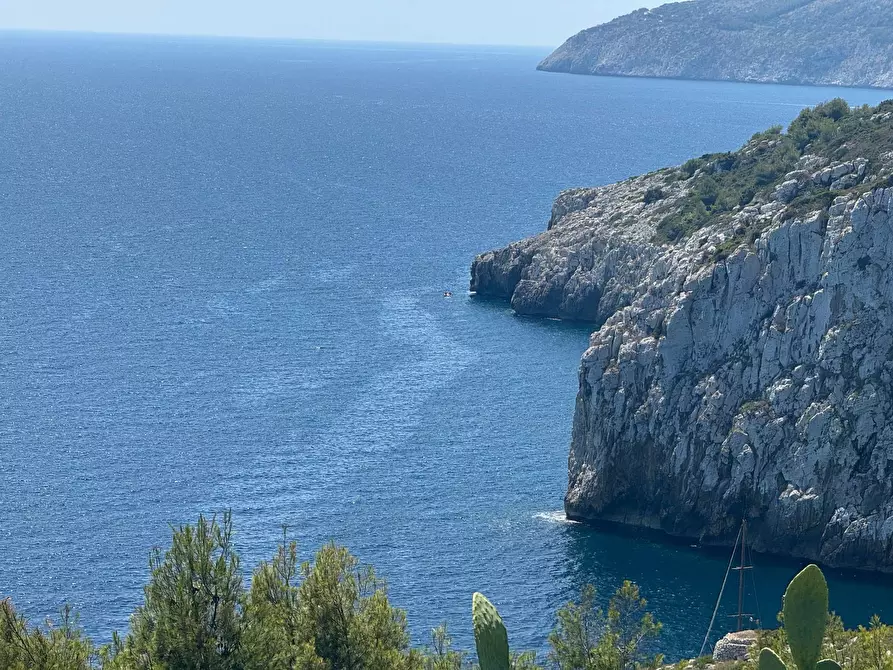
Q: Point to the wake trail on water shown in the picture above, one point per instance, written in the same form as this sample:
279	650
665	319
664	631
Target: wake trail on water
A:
557	516
384	411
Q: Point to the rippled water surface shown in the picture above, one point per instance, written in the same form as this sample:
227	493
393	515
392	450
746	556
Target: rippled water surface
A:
221	286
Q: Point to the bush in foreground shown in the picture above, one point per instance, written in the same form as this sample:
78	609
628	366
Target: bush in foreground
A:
334	614
328	614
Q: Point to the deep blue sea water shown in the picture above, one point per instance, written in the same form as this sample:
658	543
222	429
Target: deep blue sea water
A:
221	286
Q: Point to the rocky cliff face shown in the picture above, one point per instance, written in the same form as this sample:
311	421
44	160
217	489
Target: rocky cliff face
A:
835	42
744	369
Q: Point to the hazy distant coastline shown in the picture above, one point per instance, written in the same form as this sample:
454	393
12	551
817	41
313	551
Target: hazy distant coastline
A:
812	42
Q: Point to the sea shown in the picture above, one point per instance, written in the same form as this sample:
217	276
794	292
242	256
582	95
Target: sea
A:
223	267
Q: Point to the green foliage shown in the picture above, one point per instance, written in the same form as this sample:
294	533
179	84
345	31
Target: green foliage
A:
769	660
272	637
343	610
632	627
333	614
806	624
329	614
691	215
805	616
525	661
691	166
818	123
884	182
769	133
578	632
753	406
586	638
490	636
871	647
866	648
719	183
653	195
61	647
726	249
811	201
440	655
707	191
728	181
191	617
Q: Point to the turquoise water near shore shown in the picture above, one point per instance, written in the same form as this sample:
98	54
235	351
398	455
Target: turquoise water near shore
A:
223	272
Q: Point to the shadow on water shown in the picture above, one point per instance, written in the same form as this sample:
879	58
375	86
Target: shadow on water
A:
501	306
677	575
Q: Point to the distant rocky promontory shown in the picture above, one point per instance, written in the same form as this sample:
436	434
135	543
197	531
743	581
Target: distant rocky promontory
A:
823	42
742	359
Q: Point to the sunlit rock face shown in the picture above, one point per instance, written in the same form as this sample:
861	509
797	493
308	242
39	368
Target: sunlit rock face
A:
727	377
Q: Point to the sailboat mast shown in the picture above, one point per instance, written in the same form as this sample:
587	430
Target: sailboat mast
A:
722	590
741	575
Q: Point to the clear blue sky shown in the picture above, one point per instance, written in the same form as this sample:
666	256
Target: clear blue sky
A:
534	22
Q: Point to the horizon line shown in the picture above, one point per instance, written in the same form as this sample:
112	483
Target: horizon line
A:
266	38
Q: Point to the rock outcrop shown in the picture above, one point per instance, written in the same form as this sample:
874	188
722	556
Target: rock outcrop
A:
829	42
744	369
735	646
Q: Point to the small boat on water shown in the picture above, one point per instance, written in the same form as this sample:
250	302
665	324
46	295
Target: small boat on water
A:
447	294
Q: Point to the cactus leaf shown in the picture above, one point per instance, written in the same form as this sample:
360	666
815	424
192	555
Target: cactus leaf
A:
827	664
769	660
490	636
805	616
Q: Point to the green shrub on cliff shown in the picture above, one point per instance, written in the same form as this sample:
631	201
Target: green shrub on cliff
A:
818	123
653	195
720	183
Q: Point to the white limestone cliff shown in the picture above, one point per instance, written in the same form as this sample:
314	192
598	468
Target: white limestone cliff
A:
728	377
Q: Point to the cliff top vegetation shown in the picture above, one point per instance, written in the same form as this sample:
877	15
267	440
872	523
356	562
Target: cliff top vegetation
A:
828	151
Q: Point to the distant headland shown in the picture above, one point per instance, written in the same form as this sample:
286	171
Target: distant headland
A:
814	42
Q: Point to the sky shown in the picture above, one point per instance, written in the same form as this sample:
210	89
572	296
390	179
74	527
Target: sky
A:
517	22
